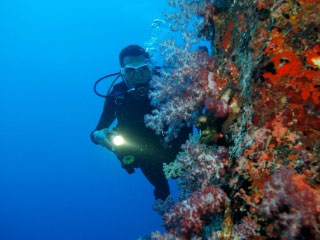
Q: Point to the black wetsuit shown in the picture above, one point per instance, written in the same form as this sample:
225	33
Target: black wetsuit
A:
141	142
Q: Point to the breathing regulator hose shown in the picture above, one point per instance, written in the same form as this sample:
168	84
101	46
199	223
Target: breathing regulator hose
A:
111	85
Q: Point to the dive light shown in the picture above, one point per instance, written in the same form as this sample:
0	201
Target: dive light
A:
118	140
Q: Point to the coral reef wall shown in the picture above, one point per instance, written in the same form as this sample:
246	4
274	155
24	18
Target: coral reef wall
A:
254	170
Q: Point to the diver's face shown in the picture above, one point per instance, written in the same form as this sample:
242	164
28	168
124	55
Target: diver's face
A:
136	70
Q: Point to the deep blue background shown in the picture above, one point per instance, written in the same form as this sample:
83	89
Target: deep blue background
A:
54	183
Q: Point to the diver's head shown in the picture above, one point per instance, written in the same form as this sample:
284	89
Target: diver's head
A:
135	66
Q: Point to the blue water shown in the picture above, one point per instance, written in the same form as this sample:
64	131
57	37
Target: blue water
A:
54	183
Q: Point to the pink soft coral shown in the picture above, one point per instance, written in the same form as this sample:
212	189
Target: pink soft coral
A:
201	163
188	217
179	94
247	228
293	203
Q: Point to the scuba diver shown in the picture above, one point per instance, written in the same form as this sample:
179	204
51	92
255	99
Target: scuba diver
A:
135	145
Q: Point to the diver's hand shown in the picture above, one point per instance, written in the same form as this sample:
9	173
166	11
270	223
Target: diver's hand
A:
102	137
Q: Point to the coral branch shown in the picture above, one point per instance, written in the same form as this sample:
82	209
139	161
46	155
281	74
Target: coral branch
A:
188	216
294	204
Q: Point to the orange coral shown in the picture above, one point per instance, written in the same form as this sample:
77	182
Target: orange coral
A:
226	39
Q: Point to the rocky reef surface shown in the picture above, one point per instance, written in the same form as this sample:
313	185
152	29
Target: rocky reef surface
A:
253	171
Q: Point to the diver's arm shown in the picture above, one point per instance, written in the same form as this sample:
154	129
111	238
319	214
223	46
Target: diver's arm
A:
183	136
101	137
107	117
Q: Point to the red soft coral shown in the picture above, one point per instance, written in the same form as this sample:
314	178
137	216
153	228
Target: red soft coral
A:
219	108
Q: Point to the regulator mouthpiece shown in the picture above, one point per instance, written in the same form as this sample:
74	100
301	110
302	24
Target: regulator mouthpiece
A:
141	91
118	140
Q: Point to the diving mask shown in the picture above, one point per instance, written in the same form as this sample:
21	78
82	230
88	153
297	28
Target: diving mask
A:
136	74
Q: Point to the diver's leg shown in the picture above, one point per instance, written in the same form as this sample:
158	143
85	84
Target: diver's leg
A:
156	177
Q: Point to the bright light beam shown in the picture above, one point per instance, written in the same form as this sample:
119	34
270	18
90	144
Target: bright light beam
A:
118	140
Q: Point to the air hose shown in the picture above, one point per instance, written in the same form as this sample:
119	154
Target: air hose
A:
111	85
